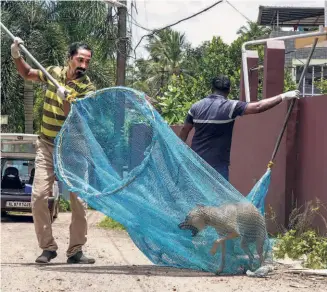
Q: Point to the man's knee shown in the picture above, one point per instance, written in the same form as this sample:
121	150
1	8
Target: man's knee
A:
41	191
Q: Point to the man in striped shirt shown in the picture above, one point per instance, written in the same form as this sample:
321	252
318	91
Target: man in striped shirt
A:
71	78
213	118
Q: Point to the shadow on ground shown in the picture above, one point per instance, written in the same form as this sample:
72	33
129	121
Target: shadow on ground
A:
146	270
16	218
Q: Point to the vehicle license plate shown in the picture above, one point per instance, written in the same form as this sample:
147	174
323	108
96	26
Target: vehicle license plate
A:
18	204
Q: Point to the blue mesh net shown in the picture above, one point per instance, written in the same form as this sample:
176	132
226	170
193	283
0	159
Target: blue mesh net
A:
118	154
259	191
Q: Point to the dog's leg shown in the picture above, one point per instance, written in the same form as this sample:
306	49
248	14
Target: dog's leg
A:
259	245
222	263
246	249
215	246
220	240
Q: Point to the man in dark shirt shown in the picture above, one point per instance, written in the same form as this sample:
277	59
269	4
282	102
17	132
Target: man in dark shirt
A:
213	118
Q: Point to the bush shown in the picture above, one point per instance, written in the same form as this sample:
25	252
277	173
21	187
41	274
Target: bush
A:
322	85
64	205
309	245
300	239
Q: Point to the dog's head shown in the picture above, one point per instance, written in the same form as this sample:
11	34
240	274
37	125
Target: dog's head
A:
194	220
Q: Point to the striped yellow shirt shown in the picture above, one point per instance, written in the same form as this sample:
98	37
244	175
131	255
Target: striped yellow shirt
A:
53	113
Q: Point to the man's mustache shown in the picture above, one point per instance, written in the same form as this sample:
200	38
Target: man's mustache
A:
80	72
80	69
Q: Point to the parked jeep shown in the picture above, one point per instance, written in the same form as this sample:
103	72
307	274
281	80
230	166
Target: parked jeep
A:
17	174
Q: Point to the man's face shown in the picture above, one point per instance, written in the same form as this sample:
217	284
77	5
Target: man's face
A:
79	63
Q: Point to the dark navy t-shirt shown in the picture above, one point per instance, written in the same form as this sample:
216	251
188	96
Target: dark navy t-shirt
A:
213	119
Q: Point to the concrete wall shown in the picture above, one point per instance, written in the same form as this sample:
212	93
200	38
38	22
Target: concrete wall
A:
311	165
300	171
253	143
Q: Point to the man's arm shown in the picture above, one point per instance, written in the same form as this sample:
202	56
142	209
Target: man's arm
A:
24	70
268	103
66	106
188	124
66	103
183	134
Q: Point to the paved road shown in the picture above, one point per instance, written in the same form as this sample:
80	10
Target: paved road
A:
120	266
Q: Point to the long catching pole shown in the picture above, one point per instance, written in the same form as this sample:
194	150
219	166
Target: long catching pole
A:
279	139
54	81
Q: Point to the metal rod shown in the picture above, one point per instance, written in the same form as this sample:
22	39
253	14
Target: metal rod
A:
258	42
54	81
279	139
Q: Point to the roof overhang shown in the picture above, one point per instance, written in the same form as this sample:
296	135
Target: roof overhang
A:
291	16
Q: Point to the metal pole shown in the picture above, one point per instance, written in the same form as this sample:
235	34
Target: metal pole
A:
279	139
116	3
258	42
312	78
29	55
121	47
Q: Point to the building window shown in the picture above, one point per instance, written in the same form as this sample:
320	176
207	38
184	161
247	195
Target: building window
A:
315	73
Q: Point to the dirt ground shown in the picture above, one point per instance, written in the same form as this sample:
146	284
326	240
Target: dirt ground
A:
119	266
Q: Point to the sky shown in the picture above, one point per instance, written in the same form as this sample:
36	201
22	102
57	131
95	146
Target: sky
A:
222	20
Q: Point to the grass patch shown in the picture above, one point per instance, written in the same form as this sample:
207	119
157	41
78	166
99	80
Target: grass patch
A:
109	223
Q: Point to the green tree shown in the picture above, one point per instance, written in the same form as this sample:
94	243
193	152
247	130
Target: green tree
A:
43	39
47	28
167	52
211	59
166	48
202	64
253	31
178	96
322	85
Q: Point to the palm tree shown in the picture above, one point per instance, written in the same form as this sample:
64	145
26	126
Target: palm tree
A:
43	39
167	50
47	27
253	31
166	47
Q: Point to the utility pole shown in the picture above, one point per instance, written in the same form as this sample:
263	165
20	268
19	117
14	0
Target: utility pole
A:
121	47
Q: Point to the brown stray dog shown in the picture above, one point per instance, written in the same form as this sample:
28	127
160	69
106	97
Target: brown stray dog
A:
241	219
